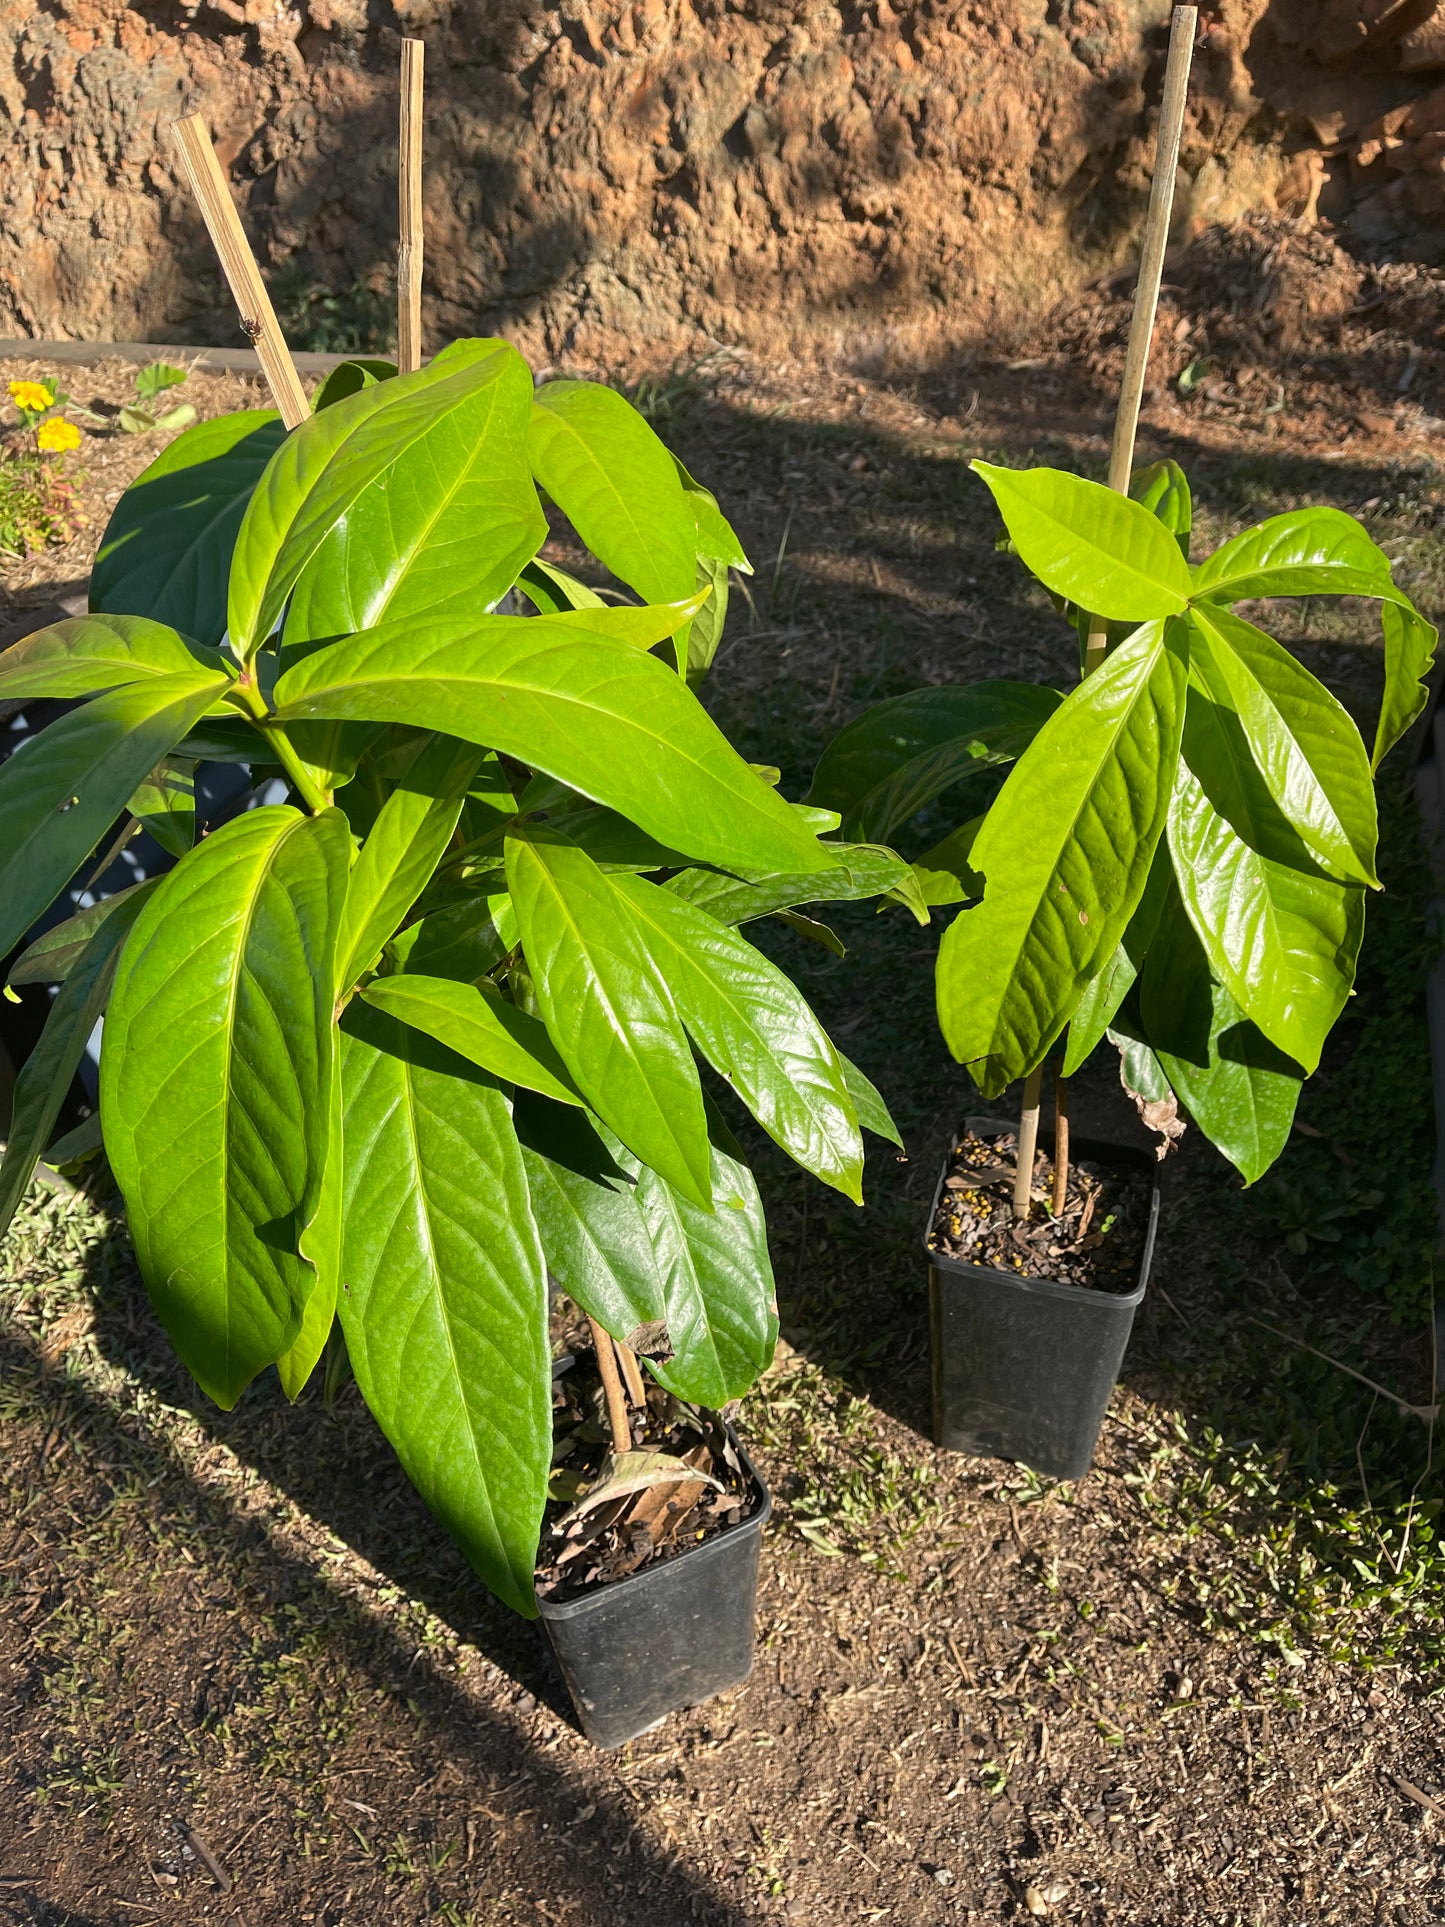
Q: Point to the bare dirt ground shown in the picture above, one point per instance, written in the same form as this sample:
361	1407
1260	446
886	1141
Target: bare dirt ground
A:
243	1676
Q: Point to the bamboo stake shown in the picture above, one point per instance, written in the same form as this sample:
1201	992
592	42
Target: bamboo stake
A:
1061	1143
228	238
617	1419
631	1374
408	184
1151	272
1028	1143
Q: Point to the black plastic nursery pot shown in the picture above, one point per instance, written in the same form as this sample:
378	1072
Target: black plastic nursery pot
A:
672	1635
1023	1368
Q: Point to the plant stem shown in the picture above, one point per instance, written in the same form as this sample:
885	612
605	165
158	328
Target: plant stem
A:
632	1374
1151	271
315	798
1028	1141
1061	1142
617	1421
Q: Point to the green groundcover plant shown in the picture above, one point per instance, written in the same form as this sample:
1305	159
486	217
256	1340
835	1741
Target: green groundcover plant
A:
1181	853
396	1048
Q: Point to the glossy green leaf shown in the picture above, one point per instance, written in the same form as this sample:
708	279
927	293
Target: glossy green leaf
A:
322	470
617	485
714	537
164	804
462	941
873	1113
53	955
722	1317
87	654
320	1246
78	1146
45	1076
1238	1088
216	1085
401	850
444	1294
479	1024
61	791
1097	1008
166	551
704	638
1090	545
1280	935
1409	654
1163	489
753	1026
814	930
599	715
444	528
862	870
1304	742
1065	852
349	378
608	1006
882	769
594	1236
1313	551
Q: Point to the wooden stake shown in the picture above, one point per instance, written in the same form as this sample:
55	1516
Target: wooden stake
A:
228	238
1061	1143
617	1420
1028	1143
408	181
631	1374
1151	271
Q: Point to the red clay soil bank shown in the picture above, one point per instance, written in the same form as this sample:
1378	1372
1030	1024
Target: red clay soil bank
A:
657	176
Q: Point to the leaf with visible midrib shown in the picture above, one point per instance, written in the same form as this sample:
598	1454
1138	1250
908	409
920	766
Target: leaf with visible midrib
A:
87	654
61	791
444	1299
216	1081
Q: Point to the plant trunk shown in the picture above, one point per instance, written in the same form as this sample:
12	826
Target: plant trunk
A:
1061	1143
617	1419
1028	1141
631	1374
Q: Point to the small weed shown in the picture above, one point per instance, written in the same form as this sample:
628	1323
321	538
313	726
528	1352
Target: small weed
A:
39	506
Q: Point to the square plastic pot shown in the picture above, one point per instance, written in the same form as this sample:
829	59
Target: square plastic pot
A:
673	1635
1023	1368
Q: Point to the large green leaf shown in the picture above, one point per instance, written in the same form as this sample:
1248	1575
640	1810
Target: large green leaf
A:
61	791
216	1085
54	954
166	551
1313	551
320	1246
753	1026
46	1074
1096	1009
594	1236
884	767
462	941
445	528
1304	742
444	1300
722	1317
945	874
1280	935
873	1113
324	467
617	485
411	831
478	1023
1090	545
1065	852
1409	653
1238	1088
608	1006
599	715
551	591
1163	489
87	654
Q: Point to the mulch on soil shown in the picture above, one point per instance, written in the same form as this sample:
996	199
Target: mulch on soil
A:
1163	1695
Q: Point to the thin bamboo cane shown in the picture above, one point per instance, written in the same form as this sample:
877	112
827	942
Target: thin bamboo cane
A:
409	248
228	237
617	1420
1028	1143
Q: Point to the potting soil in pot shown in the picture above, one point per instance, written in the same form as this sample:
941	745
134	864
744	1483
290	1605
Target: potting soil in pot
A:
606	1518
1097	1240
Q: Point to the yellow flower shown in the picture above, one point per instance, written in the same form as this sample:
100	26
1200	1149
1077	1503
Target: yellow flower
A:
55	436
31	394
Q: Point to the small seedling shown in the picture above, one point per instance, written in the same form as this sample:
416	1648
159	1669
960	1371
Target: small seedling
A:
141	417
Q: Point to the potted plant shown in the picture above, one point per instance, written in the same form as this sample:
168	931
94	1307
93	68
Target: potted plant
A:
1178	859
420	1031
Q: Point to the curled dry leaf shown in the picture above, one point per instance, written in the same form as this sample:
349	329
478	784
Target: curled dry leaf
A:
631	1472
